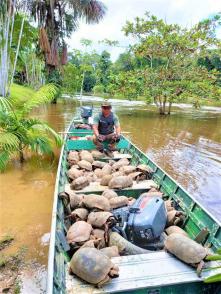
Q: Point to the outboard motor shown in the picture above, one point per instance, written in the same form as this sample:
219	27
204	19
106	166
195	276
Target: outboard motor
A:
143	223
86	113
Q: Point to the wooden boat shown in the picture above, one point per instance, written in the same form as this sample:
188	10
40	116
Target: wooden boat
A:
154	273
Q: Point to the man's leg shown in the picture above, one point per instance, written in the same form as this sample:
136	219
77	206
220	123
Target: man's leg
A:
111	138
98	144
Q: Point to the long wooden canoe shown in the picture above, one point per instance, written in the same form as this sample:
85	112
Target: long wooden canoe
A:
153	273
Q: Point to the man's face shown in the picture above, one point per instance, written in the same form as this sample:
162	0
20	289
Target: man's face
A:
106	110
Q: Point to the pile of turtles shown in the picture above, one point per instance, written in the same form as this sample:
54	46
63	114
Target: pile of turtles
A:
90	219
85	167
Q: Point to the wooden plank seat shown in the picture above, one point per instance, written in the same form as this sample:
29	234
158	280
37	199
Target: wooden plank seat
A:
94	187
149	270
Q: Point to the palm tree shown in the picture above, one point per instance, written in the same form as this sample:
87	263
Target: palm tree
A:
19	132
57	19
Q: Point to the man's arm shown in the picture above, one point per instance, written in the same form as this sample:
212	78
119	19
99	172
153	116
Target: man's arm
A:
118	130
95	129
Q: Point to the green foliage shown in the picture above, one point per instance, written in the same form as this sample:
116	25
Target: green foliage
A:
172	73
19	132
216	277
71	82
98	89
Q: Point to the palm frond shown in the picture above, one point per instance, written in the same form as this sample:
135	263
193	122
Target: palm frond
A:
8	141
43	127
4	159
44	95
92	10
5	104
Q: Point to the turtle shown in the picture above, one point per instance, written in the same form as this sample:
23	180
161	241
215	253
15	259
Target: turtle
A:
105	180
169	205
187	250
120	182
75	200
98	172
97	154
111	251
86	155
92	266
111	162
122	162
102	220
175	229
106	170
73	157
119	201
79	214
93	201
98	164
100	235
86	165
79	233
74	173
79	183
93	243
175	217
136	176
153	192
117	174
144	169
108	193
128	169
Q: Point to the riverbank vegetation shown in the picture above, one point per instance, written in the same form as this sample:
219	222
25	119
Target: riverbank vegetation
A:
165	64
33	52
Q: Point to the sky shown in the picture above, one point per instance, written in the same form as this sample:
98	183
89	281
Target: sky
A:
183	12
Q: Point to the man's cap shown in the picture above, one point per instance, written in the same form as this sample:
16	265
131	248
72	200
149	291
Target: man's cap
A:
105	103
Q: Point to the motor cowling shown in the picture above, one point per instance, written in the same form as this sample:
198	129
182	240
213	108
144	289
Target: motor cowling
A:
144	222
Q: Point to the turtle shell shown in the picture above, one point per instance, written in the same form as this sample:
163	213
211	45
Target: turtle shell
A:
108	193
120	182
76	200
91	265
86	155
185	249
98	164
74	173
119	201
105	180
110	251
79	232
99	218
97	154
79	183
96	201
80	213
135	175
73	157
175	229
98	172
128	169
106	170
85	165
120	163
144	168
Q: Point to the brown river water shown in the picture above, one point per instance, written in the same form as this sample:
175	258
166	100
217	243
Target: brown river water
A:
186	144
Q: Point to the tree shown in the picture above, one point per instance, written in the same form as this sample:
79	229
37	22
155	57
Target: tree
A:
19	132
103	69
57	19
176	72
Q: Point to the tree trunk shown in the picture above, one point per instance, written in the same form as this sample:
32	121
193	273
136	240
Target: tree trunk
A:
21	154
169	108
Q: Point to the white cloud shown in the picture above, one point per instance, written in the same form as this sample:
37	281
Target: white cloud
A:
183	12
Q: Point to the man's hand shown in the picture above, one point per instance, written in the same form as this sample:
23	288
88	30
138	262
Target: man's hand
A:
101	138
117	137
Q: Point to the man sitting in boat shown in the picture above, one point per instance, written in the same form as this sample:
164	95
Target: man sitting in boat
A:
106	128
